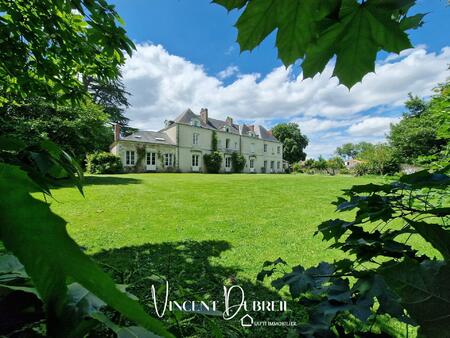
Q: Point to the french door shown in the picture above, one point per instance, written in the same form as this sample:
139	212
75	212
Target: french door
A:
151	161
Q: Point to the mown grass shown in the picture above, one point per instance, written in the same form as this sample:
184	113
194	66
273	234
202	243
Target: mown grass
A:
261	216
201	232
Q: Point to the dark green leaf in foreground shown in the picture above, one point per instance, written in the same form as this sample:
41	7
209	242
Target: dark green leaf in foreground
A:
40	240
434	234
231	4
424	289
258	20
316	31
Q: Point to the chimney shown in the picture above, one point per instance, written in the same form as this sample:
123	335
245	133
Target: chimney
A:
229	121
117	128
204	115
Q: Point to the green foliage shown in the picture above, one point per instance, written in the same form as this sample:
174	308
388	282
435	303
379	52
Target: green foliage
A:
415	105
66	39
335	164
315	31
321	164
380	159
294	142
34	234
237	162
350	150
297	168
214	141
103	163
423	134
391	277
79	129
81	308
111	96
213	162
140	152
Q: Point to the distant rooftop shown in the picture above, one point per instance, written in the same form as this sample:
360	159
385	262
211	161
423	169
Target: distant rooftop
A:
150	137
203	120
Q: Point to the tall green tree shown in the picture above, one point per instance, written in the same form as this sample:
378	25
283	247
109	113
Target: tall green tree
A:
353	150
346	151
111	96
48	46
294	142
417	134
79	129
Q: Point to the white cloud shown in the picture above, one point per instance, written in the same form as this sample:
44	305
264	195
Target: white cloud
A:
228	72
163	85
372	126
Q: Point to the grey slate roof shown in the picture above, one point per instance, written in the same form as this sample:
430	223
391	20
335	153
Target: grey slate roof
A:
149	137
214	124
186	118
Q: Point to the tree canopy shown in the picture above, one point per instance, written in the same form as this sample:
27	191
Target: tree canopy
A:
294	142
316	31
47	47
78	129
353	150
422	130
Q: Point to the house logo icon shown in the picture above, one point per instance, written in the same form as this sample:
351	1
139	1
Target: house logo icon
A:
247	321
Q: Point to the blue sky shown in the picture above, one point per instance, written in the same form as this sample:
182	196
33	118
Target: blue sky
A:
180	41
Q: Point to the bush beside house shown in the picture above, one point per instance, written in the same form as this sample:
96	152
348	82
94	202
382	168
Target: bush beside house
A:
237	162
103	163
213	162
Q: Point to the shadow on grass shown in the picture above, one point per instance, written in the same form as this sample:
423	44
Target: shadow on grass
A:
191	275
110	180
98	180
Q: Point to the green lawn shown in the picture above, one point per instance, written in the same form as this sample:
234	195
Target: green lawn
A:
201	231
260	217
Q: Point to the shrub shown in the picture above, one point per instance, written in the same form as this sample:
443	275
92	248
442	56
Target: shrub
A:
103	163
381	160
237	162
297	168
335	164
213	162
344	171
361	169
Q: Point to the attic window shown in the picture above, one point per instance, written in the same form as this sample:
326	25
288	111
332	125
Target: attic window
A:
195	123
227	129
160	139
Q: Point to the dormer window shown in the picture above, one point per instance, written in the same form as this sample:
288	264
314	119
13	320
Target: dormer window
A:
195	122
227	129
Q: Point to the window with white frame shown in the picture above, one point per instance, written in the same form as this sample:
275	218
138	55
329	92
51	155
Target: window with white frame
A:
195	160
278	150
227	162
252	163
278	164
168	160
272	165
151	158
130	156
265	148
195	138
